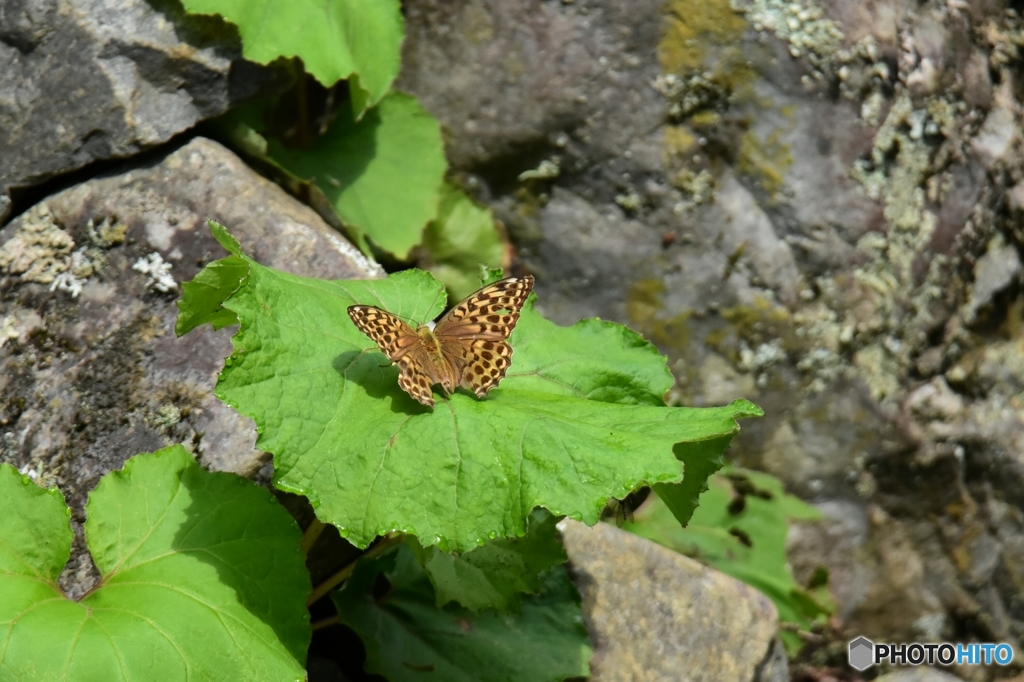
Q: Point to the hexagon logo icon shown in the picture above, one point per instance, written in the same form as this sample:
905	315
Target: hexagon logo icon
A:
862	653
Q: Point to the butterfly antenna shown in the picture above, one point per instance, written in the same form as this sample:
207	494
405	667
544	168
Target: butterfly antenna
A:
442	290
408	320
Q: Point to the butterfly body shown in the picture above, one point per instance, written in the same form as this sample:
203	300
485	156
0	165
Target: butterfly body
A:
467	347
437	368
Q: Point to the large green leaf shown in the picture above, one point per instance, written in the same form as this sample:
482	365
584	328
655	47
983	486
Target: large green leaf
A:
593	360
702	459
740	529
408	638
382	174
373	460
461	239
202	579
335	39
494	575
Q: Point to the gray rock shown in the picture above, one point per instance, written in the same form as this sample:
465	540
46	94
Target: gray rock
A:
91	371
998	134
86	80
999	268
570	68
654	614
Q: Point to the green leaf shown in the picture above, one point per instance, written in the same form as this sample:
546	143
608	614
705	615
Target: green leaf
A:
461	239
373	460
36	533
201	298
382	174
702	459
335	39
224	238
617	366
489	275
408	638
202	579
740	529
243	130
494	575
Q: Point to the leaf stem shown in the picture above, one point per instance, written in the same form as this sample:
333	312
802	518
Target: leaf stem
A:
311	534
342	575
325	623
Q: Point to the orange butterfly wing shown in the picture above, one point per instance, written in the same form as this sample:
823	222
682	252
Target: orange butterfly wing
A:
402	345
473	335
472	341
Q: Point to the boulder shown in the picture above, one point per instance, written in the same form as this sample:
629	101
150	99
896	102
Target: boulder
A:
91	371
654	614
91	80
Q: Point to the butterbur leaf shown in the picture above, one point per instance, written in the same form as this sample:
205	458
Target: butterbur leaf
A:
373	460
593	359
335	39
407	637
201	298
356	164
225	238
702	458
740	529
461	239
202	579
497	573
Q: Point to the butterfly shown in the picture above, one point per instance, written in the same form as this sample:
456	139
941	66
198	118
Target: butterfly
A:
467	347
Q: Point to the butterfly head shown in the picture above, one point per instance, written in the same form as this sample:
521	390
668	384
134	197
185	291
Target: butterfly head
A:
426	334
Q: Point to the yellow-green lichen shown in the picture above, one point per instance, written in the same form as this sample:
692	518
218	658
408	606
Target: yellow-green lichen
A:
679	140
699	186
40	250
693	25
631	201
765	160
802	25
110	232
8	329
547	170
644	304
476	23
897	173
762	321
878	369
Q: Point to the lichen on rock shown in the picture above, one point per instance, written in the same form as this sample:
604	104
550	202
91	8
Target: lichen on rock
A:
39	251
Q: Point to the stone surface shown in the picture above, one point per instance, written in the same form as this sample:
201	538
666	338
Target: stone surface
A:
91	371
814	205
86	80
995	271
654	614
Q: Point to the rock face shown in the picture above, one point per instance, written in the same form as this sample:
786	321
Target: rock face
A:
814	205
654	614
91	372
87	80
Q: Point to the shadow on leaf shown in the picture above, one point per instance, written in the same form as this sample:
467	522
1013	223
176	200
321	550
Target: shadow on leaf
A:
373	372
